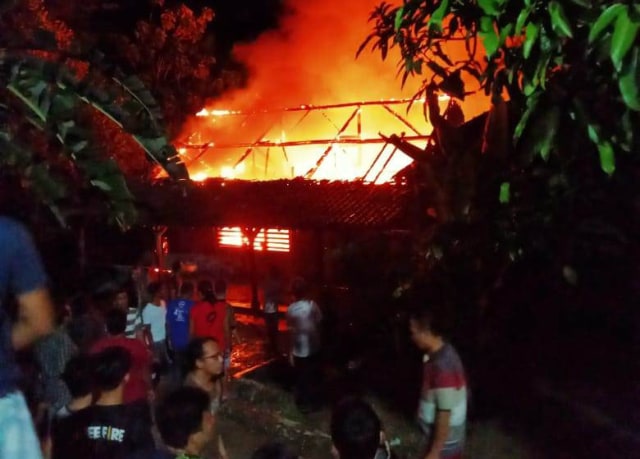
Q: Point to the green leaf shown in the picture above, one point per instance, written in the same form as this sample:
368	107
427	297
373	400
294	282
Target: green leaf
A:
490	7
522	18
489	37
624	34
531	35
505	193
559	21
607	157
438	15
605	150
398	20
603	21
532	104
548	132
505	32
629	82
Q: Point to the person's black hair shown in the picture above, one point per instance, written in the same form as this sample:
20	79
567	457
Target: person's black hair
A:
186	289
206	290
153	288
220	287
110	366
274	450
427	320
116	321
299	288
355	429
195	351
77	376
179	415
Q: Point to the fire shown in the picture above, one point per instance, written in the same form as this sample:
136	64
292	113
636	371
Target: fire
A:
271	240
311	109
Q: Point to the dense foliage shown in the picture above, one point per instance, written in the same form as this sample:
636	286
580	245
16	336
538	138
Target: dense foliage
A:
531	208
45	137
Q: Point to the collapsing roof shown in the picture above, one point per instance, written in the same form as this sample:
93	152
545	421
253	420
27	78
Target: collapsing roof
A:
294	204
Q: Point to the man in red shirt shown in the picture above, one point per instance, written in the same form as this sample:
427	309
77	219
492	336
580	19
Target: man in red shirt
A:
208	317
138	387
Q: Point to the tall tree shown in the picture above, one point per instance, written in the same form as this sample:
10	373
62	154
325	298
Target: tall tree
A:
44	87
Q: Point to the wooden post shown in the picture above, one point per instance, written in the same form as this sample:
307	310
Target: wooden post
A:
250	234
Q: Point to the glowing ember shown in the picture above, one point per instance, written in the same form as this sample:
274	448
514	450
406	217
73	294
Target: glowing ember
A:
271	240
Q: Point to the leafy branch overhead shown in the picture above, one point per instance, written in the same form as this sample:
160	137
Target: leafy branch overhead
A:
48	95
580	55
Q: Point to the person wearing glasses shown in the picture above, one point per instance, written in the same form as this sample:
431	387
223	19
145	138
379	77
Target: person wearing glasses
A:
204	367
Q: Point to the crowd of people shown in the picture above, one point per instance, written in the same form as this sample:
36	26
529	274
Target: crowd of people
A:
115	379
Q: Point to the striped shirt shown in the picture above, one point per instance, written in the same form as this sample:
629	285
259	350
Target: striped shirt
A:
134	322
444	388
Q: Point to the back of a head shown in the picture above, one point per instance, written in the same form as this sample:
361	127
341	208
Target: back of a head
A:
110	366
153	289
205	288
77	376
355	429
116	321
274	451
299	288
428	320
186	289
179	415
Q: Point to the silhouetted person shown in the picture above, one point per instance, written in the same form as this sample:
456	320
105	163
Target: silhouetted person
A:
442	409
22	278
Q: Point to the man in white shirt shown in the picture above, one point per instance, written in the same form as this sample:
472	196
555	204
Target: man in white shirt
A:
303	319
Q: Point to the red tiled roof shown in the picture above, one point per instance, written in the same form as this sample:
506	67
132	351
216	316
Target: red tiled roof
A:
297	203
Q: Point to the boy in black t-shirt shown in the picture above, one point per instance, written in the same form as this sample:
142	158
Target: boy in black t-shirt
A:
108	429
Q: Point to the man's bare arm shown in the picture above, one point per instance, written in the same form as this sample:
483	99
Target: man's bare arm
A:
440	434
35	318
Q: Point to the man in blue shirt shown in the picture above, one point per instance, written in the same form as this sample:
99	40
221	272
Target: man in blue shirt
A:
178	311
23	278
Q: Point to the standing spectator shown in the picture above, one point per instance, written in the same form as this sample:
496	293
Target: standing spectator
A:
154	315
109	429
52	353
138	386
186	425
273	292
86	325
204	367
178	311
77	376
208	317
21	276
304	319
220	289
79	380
442	409
135	327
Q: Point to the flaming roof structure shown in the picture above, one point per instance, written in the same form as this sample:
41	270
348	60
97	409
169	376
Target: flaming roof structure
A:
341	141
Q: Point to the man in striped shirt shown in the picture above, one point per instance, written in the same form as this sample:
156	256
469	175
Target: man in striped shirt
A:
442	409
135	328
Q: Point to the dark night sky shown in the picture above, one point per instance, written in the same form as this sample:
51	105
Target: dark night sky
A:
236	20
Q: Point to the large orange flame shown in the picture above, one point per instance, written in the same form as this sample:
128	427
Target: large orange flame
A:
262	132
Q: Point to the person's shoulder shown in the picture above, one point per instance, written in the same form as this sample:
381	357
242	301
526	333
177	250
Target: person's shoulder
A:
11	227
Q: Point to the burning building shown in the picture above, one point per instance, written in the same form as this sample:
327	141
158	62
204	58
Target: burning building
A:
299	156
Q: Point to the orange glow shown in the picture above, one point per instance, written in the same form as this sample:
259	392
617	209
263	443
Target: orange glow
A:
271	130
271	240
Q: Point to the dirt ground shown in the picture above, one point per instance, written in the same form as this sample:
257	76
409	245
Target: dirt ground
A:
262	410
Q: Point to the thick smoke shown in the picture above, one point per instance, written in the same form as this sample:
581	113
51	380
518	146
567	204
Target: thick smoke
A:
309	59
